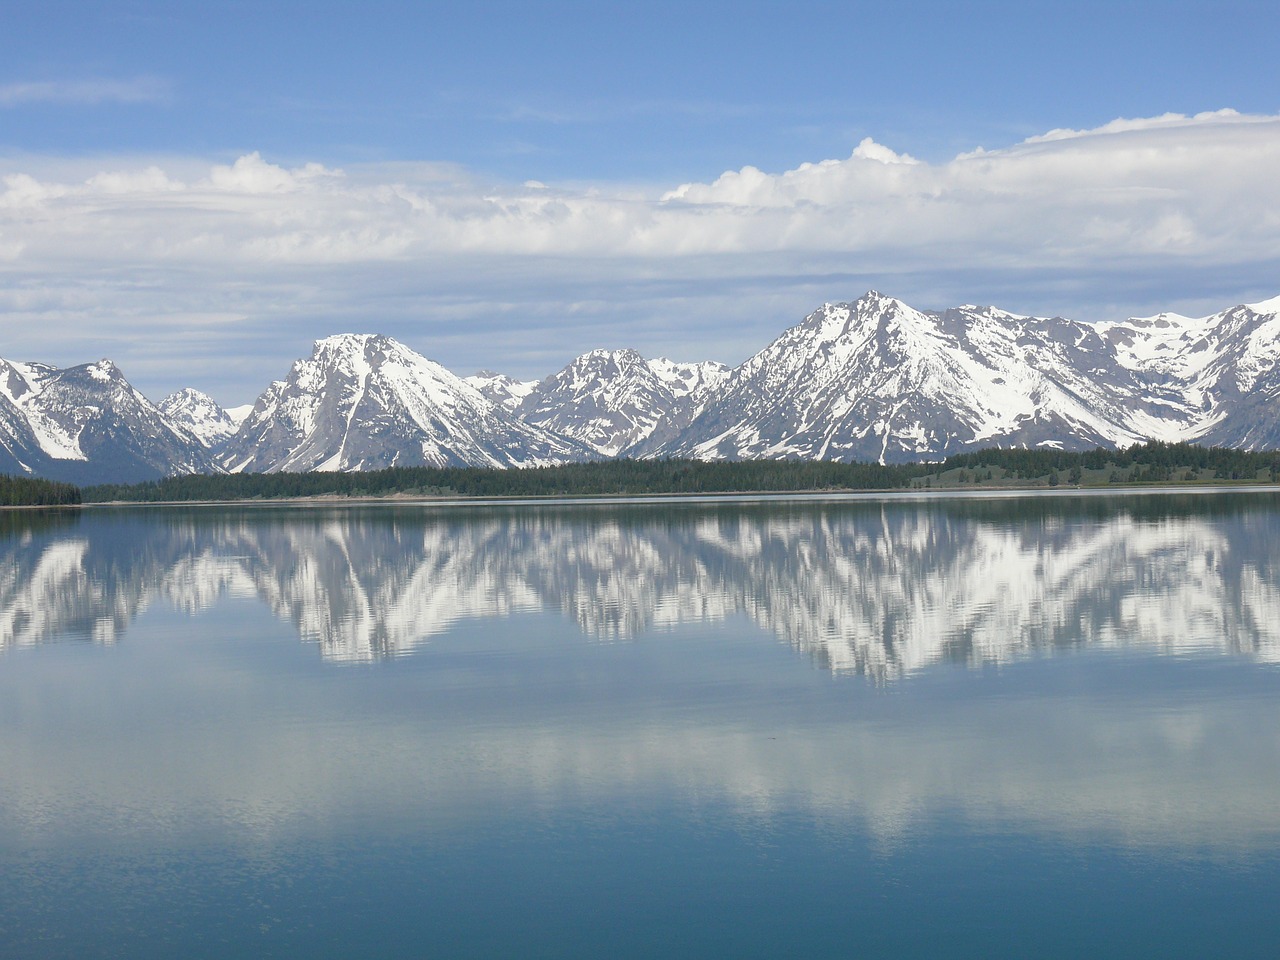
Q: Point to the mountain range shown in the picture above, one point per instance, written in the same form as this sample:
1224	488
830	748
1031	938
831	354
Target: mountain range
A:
870	380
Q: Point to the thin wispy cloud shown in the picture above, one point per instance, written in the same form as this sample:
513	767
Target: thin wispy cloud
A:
86	92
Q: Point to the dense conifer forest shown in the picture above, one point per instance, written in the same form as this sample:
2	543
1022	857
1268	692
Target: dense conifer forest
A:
600	478
32	492
1146	463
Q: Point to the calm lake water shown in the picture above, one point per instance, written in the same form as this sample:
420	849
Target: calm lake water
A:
858	727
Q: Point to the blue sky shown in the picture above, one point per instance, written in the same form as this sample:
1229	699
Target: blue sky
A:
507	185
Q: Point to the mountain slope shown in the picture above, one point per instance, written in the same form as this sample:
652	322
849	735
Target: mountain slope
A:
869	380
1212	379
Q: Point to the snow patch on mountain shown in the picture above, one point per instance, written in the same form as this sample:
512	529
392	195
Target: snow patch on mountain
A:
1266	306
239	414
23	384
689	379
873	379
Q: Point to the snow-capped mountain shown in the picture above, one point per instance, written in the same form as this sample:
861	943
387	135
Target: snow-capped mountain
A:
507	392
199	414
613	400
363	402
87	424
21	450
878	380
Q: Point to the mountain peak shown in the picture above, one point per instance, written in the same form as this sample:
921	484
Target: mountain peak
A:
187	395
613	400
1265	306
198	414
365	402
88	424
499	388
619	355
875	300
866	317
104	370
350	343
867	379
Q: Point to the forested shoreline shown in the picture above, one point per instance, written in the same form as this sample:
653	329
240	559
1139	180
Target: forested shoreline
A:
35	492
1154	462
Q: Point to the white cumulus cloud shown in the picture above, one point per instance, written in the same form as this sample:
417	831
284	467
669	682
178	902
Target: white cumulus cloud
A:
1173	211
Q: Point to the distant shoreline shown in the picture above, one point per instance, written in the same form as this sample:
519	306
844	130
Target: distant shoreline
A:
966	491
1172	466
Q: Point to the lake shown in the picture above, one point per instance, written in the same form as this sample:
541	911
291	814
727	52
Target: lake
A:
963	726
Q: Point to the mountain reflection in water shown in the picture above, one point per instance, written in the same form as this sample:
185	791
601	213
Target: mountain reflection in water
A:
599	748
875	587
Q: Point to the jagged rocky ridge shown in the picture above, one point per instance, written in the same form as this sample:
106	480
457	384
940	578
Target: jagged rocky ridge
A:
869	380
199	414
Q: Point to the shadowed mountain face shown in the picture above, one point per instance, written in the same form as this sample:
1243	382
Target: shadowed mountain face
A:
880	588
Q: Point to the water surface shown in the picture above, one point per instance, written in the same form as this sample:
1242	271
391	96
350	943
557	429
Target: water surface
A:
843	727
